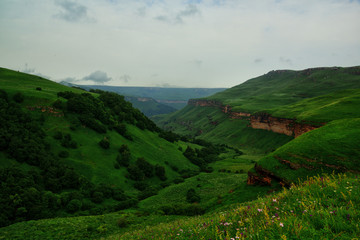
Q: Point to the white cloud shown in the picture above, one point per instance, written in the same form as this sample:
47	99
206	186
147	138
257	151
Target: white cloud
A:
207	43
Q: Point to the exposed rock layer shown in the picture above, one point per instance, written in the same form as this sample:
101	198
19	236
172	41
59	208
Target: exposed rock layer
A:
264	121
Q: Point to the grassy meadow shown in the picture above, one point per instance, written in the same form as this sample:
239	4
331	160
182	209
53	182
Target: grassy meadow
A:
325	207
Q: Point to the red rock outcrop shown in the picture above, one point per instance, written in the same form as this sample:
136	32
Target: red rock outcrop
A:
281	125
263	121
263	177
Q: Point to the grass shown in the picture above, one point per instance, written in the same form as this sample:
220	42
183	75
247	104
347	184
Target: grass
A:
323	207
280	88
338	105
212	125
333	147
12	82
89	159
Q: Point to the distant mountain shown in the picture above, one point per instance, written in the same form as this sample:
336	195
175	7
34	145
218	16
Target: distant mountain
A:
173	97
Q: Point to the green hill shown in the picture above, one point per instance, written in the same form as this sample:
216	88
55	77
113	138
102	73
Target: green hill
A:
67	154
283	94
331	148
283	87
337	105
77	151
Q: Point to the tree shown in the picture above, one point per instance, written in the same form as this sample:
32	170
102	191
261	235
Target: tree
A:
135	173
192	196
18	97
160	172
124	158
104	143
145	167
73	206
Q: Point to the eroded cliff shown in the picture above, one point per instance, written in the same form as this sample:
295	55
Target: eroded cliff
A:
263	121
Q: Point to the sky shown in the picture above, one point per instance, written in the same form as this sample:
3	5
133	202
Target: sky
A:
175	43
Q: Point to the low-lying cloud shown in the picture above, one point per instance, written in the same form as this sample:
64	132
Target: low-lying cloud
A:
98	77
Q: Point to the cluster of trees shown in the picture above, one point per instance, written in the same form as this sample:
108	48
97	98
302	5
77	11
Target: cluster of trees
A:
202	157
108	111
50	188
142	170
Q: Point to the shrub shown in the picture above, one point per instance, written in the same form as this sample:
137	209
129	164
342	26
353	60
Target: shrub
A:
116	165
178	180
38	89
58	104
160	172
58	135
97	197
73	206
104	143
4	95
135	173
141	186
145	167
122	222
192	196
63	154
18	97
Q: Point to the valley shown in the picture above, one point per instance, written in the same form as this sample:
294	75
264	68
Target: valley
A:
271	157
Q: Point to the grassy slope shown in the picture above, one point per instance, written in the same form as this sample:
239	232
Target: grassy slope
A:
89	159
336	144
279	88
281	93
12	81
338	105
233	132
322	208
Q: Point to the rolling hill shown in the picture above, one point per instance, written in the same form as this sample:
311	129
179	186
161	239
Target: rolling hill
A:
65	151
268	102
282	128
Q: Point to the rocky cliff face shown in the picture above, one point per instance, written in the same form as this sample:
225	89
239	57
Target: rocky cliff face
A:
280	125
260	121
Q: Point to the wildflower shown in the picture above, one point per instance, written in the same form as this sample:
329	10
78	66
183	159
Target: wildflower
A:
281	224
259	210
274	199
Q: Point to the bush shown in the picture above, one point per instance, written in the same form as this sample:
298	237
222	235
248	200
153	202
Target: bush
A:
122	222
116	165
18	97
97	197
160	172
178	180
38	89
135	173
58	135
192	196
73	206
148	192
58	104
145	167
63	154
141	186
4	95
104	143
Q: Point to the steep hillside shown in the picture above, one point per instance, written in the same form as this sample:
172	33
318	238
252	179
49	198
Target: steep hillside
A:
331	148
283	87
275	102
65	151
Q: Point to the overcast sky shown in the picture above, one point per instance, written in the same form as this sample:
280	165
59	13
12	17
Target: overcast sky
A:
184	43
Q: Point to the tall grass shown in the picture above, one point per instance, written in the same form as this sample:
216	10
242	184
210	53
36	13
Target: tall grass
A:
325	207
